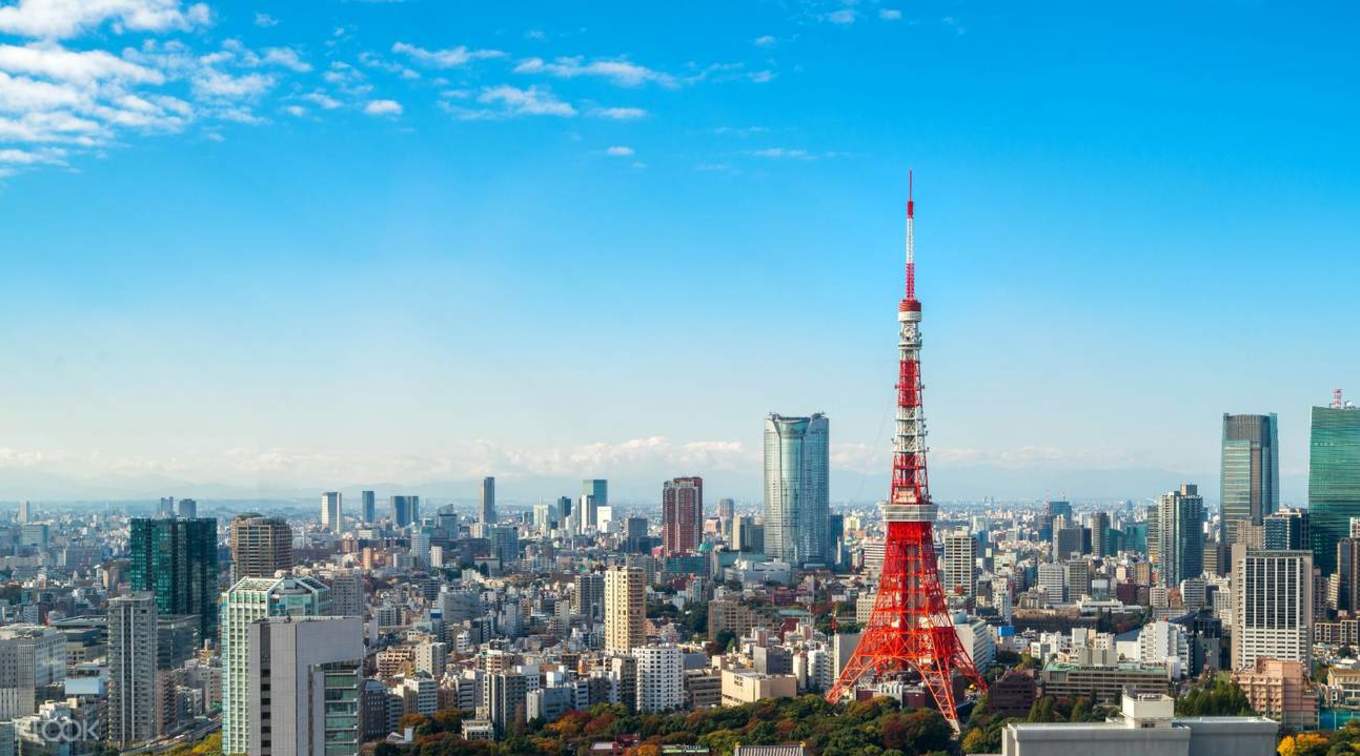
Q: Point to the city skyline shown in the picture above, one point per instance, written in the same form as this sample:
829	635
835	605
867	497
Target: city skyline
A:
189	350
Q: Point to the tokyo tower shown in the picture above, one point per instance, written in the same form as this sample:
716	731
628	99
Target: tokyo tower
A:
910	630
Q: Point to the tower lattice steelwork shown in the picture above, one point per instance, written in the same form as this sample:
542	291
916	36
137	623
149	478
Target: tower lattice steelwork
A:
910	630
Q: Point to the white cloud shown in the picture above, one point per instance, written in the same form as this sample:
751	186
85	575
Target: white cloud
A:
286	57
26	157
89	66
215	84
783	153
322	100
450	58
890	14
265	20
295	110
508	102
764	41
621	72
619	151
842	16
383	108
58	19
19	94
619	114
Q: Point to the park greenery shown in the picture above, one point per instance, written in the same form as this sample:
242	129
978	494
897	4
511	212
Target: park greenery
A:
877	727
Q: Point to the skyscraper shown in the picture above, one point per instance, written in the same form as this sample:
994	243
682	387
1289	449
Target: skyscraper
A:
25	512
304	684
488	511
1272	594
1333	478
1180	525
1100	534
598	488
797	499
187	509
249	600
134	713
682	514
960	555
369	506
331	511
1287	530
1249	473
624	609
32	668
405	510
260	546
176	560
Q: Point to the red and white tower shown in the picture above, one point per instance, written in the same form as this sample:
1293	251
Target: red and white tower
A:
910	630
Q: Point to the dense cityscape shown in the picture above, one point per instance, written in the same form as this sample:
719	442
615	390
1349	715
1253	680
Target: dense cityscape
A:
583	625
581	622
428	378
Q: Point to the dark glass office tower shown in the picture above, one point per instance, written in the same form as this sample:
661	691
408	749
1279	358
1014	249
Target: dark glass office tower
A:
1249	472
1333	479
176	560
1287	530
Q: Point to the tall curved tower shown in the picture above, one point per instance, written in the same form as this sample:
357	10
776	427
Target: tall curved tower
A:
910	630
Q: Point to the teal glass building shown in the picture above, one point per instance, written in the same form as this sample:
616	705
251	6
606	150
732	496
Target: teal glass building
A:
1333	480
176	560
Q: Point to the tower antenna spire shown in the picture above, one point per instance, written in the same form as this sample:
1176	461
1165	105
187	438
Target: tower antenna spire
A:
911	240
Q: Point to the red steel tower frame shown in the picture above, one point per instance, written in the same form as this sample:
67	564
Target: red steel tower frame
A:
910	630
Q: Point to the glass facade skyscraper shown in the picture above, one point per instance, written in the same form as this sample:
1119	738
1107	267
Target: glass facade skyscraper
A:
1249	472
797	497
1180	535
176	560
1333	480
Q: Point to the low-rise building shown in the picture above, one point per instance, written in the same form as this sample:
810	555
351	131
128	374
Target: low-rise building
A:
1280	689
1148	726
748	686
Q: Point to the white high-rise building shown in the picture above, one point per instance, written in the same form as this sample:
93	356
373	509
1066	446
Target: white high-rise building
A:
977	639
960	559
304	684
1053	581
1162	642
134	714
797	496
660	678
331	511
253	599
624	609
32	668
431	657
1272	606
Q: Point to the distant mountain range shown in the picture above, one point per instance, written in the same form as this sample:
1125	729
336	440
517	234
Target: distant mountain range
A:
948	482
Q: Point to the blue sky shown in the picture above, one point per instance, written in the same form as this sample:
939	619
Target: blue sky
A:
291	245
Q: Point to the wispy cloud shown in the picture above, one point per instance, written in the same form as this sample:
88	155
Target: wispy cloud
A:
619	71
452	57
619	114
505	101
619	151
264	20
765	40
890	14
